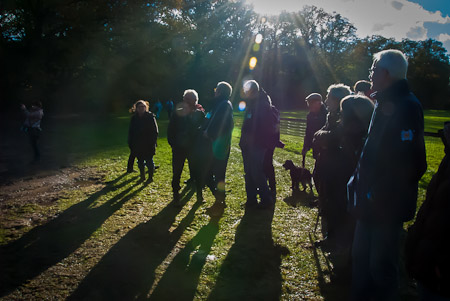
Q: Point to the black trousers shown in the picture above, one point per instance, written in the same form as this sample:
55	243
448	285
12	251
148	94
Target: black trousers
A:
179	156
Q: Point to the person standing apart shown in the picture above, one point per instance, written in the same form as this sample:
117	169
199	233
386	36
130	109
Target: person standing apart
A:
32	126
382	192
142	136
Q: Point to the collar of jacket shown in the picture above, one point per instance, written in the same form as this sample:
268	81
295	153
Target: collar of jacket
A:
398	88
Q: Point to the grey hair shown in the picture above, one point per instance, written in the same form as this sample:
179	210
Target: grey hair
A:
251	86
191	93
339	91
224	89
394	61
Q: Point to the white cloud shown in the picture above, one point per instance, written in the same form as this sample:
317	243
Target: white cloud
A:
443	37
397	19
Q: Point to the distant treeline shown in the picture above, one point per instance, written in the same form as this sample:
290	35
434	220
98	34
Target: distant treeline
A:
92	55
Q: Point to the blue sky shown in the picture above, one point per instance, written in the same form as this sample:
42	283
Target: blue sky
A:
412	19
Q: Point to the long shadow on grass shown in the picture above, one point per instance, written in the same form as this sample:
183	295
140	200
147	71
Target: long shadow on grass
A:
185	269
251	270
127	271
332	286
46	245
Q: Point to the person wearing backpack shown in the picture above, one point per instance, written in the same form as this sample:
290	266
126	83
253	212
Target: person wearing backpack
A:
257	132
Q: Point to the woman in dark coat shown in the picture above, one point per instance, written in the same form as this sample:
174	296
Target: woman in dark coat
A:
142	136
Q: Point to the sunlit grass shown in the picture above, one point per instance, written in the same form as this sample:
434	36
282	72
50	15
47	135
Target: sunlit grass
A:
183	246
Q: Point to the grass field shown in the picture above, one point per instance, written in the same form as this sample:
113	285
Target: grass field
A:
121	239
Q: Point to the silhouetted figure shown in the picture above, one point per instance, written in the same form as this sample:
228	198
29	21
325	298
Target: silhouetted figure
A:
169	108
32	126
184	127
218	128
364	87
383	190
157	108
255	143
315	120
142	136
327	146
427	245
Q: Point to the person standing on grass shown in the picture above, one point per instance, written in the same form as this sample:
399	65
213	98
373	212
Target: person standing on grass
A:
326	146
315	120
427	244
218	128
184	126
142	136
383	189
32	126
255	142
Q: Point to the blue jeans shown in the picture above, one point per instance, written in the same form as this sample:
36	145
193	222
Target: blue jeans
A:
255	178
375	260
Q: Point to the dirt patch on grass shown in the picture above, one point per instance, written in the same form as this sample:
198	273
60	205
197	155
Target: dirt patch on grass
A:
30	201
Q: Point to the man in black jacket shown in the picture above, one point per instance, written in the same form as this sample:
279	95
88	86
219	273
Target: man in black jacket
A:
383	190
427	245
255	143
218	129
184	127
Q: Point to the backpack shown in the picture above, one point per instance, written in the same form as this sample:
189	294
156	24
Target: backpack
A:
274	125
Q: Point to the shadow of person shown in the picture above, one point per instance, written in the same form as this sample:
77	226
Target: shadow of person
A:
46	245
333	286
251	270
185	269
301	198
127	271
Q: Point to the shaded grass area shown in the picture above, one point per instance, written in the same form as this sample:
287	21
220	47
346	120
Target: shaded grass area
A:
127	240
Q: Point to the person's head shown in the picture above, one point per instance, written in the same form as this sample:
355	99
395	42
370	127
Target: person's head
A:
362	87
251	89
334	95
356	113
223	90
36	105
190	97
314	102
388	67
140	107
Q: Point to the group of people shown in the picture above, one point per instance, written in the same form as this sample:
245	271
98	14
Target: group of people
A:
369	153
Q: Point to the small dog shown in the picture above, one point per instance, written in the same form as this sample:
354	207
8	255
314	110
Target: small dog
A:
298	175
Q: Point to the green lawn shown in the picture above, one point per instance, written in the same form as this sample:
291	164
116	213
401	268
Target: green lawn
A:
124	238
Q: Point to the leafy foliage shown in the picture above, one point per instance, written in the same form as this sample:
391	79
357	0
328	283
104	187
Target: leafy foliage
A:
91	55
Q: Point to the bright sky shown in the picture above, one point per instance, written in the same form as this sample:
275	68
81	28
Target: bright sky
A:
413	19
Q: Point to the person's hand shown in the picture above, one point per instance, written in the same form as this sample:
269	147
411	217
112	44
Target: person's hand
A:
23	107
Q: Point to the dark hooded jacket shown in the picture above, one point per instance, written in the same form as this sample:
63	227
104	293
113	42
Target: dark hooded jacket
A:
384	185
427	244
257	126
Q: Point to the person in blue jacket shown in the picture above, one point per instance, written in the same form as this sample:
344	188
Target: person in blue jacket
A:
382	192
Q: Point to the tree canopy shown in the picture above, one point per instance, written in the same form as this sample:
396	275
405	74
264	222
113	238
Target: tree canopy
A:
77	55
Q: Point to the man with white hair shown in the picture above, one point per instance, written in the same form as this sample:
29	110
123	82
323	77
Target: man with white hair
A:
383	189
